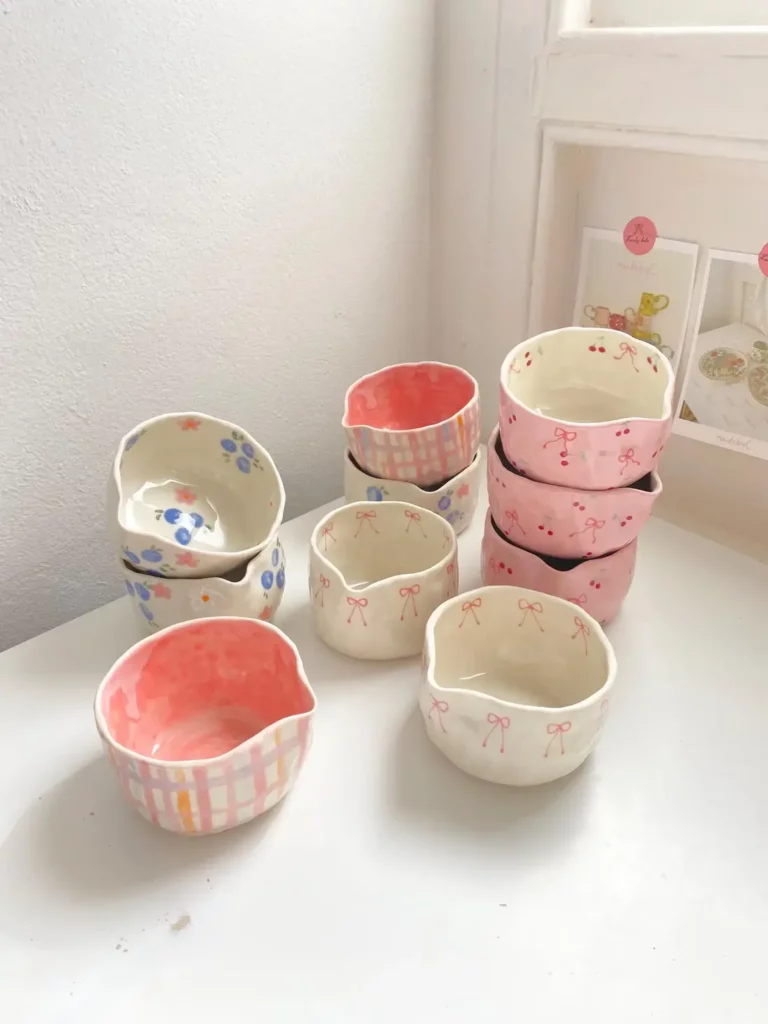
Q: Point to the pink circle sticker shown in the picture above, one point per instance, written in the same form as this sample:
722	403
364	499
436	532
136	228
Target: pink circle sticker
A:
762	259
640	235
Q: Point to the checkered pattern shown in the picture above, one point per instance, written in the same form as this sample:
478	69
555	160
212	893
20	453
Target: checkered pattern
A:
424	457
217	795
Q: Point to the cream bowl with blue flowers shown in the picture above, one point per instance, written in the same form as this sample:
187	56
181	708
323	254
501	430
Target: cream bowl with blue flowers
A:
454	500
192	496
252	591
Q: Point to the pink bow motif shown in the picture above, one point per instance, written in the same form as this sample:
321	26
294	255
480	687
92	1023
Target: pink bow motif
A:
326	533
451	568
581	628
440	706
627	457
563	435
555	730
495	567
357	603
590	524
581	600
469	609
413	517
362	519
512	366
604	705
324	584
628	350
409	593
535	609
500	722
514	519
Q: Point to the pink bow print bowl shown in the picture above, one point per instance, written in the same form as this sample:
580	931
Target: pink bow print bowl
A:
565	521
598	585
588	408
207	724
516	686
418	422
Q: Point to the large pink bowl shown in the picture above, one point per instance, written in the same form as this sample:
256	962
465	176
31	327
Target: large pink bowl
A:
207	723
418	422
598	585
588	408
565	521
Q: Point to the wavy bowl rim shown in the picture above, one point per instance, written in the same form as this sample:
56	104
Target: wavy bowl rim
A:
468	471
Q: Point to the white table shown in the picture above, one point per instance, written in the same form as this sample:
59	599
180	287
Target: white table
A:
388	886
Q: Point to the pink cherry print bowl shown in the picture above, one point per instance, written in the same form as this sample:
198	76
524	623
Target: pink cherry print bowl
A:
418	422
597	585
190	495
207	724
253	590
516	685
377	570
587	408
565	521
454	499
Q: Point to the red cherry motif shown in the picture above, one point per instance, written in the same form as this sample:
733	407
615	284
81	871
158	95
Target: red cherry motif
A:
582	507
601	349
628	518
595	585
509	571
501	565
575	504
563	463
620	432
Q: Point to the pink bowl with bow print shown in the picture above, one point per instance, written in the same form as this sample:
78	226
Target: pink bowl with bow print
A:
565	521
598	585
588	408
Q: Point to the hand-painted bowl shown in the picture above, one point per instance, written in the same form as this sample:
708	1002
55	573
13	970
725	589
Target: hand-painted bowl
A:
598	585
585	408
191	495
377	570
454	499
565	521
418	422
252	591
207	723
517	684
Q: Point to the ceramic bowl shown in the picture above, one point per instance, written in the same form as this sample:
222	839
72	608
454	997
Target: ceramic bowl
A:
193	496
253	591
565	521
454	499
207	723
377	570
585	408
598	585
418	422
512	694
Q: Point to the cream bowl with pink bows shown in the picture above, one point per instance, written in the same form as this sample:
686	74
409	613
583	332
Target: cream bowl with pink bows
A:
514	696
418	422
565	521
377	571
585	408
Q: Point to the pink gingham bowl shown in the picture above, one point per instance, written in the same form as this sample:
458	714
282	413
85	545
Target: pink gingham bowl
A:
207	724
565	521
587	408
598	585
418	422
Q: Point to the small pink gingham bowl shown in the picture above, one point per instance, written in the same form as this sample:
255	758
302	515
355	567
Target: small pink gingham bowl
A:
207	723
418	422
565	521
598	585
588	408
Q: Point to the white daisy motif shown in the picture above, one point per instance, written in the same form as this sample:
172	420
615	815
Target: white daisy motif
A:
207	601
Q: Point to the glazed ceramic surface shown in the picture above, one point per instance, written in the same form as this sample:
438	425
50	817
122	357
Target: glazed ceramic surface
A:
253	591
517	684
586	408
454	499
193	496
377	570
418	422
207	723
597	585
565	521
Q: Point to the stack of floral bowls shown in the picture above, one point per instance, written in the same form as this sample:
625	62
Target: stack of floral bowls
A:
194	507
413	435
572	478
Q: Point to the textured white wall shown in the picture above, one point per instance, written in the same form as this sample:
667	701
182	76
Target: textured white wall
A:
218	206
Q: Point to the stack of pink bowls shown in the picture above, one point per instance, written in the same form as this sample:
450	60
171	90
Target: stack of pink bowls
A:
572	478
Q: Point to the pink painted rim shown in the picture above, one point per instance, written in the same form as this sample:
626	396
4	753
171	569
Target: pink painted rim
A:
260	624
410	430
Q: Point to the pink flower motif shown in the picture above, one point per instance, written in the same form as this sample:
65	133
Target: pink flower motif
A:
161	590
265	615
463	491
185	497
189	424
186	558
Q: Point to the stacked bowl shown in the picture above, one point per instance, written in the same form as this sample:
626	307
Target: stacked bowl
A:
584	415
194	507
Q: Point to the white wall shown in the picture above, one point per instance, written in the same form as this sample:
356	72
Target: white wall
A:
217	206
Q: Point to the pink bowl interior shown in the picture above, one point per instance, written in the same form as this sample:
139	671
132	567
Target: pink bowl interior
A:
408	397
198	692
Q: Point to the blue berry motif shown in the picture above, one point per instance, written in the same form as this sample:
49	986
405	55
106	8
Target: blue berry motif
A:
243	464
129	587
275	557
131	557
152	555
228	444
183	536
374	494
131	442
146	612
244	451
444	503
281	577
247	450
172	515
197	519
267	579
143	592
452	517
